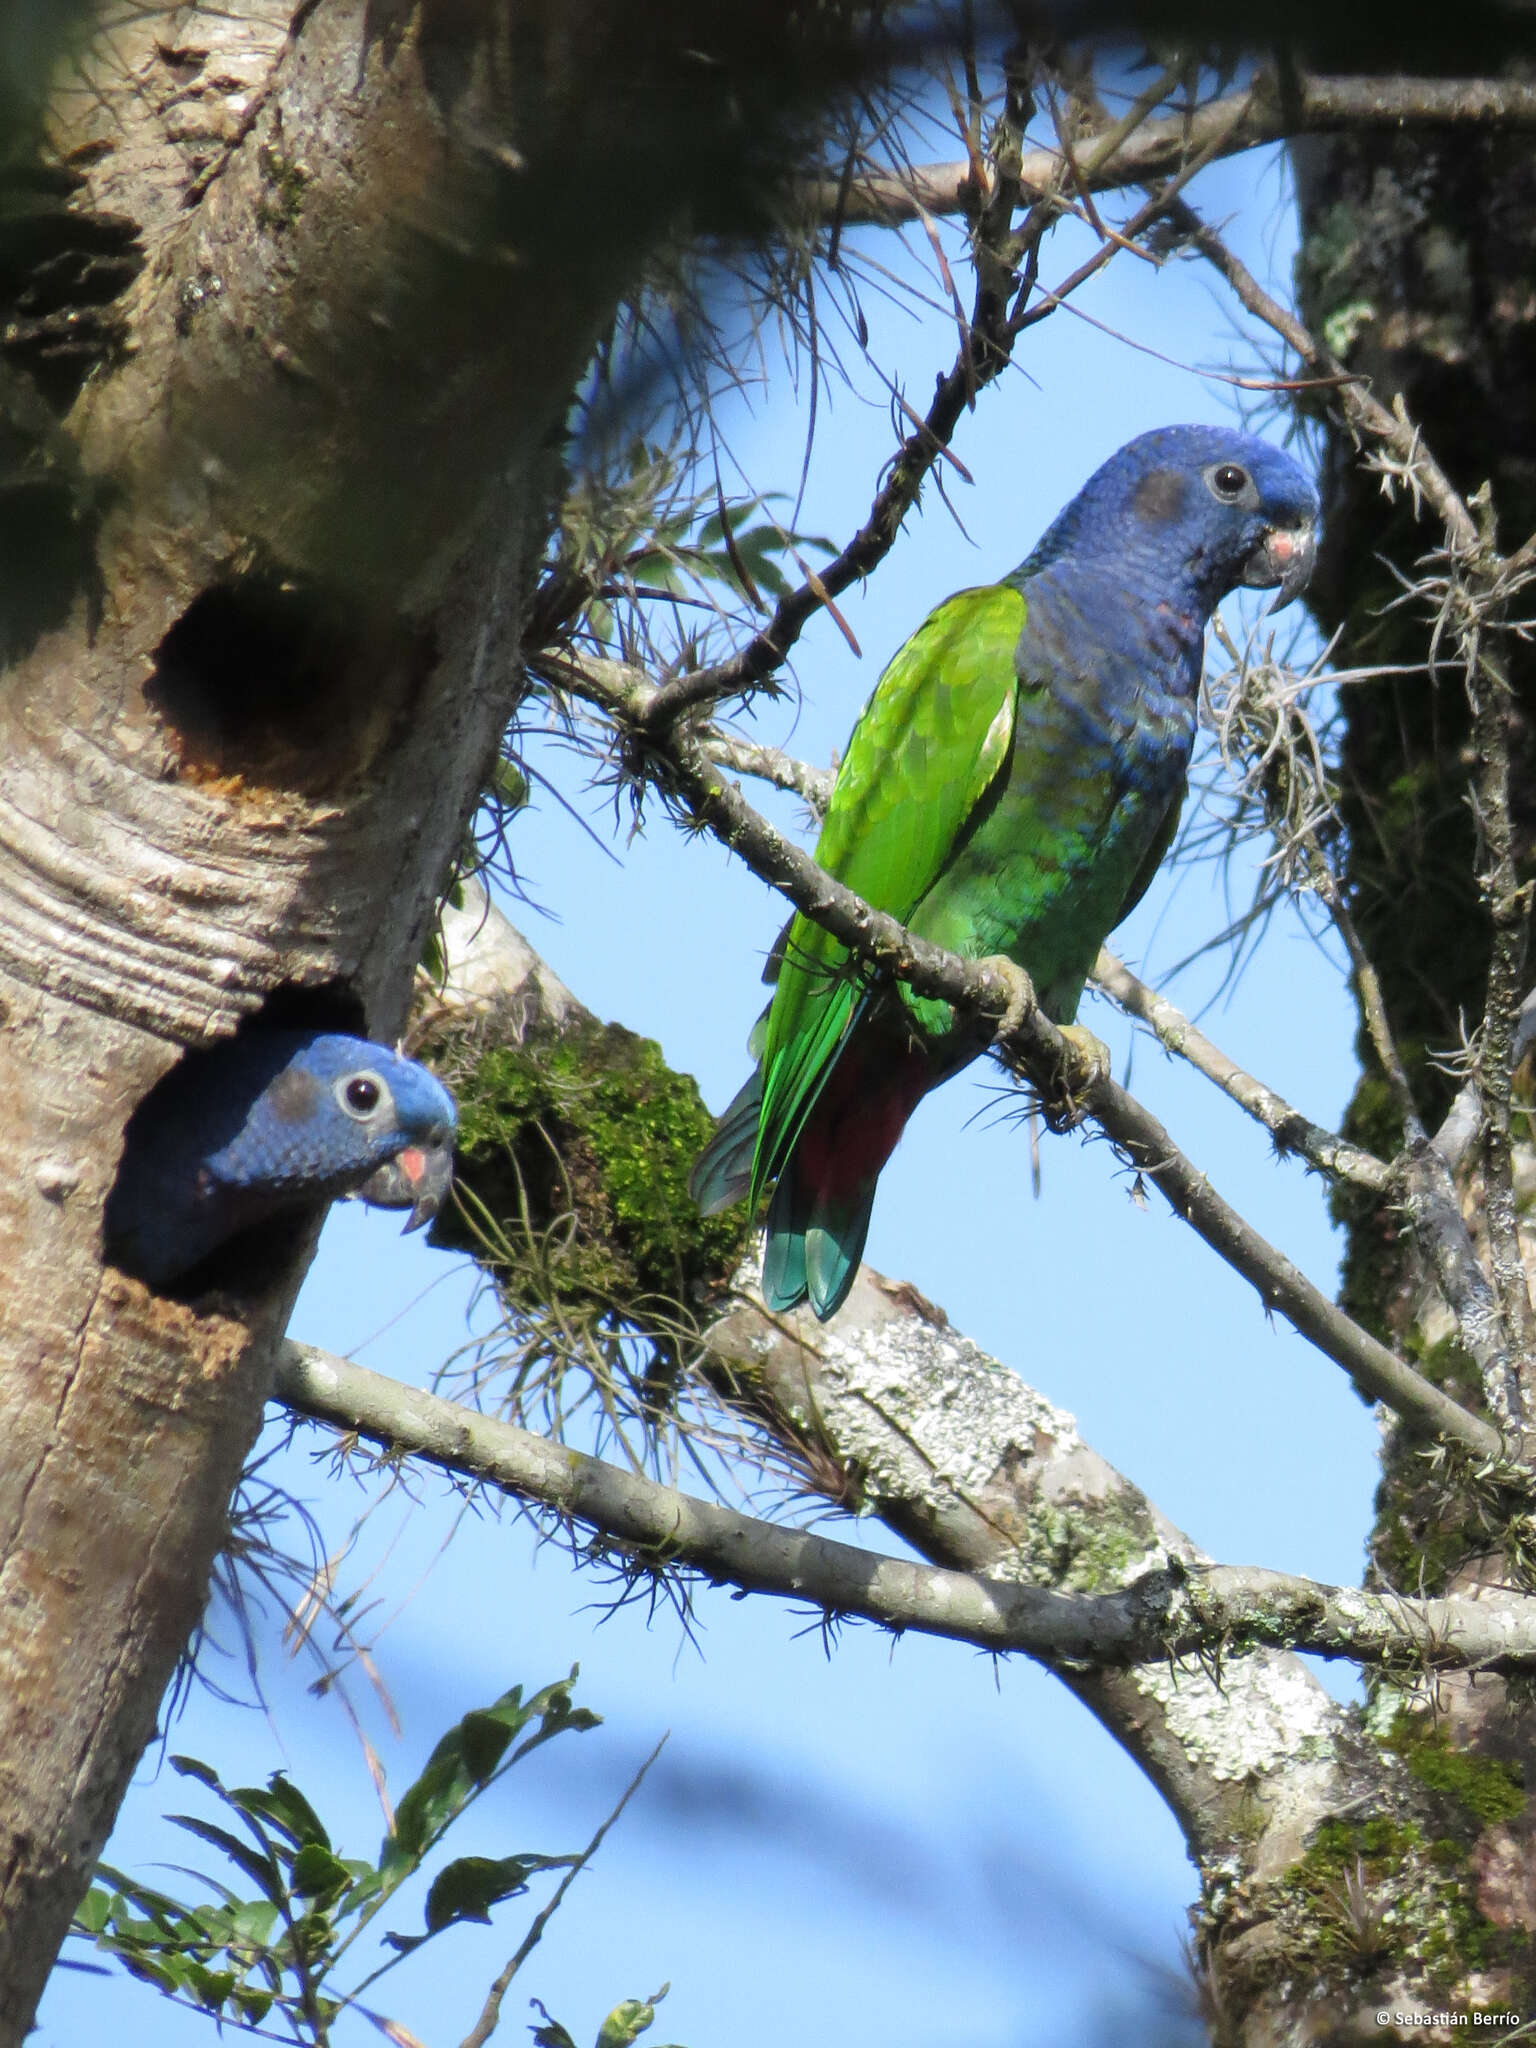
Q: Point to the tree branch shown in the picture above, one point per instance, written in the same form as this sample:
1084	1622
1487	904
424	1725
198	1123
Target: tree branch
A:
1313	105
1175	1609
1407	459
1496	1323
986	347
1292	1131
771	764
1509	910
892	1409
678	763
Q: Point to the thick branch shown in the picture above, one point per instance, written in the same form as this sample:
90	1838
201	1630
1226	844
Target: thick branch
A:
1509	909
1313	106
1434	1214
892	1408
1172	1610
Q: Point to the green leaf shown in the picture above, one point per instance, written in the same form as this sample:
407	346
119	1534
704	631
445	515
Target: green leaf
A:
162	1910
551	2034
318	1874
465	1759
311	1938
284	1805
165	1979
194	1767
629	2020
262	1870
91	1913
210	1987
625	2023
484	1738
253	1921
467	1889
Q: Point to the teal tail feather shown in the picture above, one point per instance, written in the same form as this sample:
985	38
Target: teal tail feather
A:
722	1172
814	1245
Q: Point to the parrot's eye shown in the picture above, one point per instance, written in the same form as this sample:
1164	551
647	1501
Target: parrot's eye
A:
360	1094
1228	481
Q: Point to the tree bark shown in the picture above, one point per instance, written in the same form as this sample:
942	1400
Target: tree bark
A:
297	303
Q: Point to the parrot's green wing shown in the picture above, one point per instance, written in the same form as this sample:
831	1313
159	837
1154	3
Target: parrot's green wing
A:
930	745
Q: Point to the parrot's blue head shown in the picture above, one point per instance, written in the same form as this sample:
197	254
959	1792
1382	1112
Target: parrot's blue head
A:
341	1107
1183	515
269	1122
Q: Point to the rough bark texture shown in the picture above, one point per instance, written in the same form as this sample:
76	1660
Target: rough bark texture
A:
1417	266
292	303
206	796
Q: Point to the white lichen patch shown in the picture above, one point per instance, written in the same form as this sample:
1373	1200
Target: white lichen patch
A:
1268	1714
926	1412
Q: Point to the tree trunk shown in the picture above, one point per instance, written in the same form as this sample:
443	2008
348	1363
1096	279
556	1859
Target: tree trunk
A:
1416	266
294	308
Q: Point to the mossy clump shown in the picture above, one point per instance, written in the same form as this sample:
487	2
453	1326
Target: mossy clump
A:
1486	1789
1394	1896
577	1146
1386	1898
1074	1552
1435	1515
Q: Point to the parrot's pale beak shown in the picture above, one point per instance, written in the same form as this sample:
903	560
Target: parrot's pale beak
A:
1286	556
417	1179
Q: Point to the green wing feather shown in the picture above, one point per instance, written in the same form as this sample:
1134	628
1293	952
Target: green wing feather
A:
930	744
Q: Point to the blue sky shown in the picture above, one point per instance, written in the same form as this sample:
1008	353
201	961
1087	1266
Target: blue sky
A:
902	1842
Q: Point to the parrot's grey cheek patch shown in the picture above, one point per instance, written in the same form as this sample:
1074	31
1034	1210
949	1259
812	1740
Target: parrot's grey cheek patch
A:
1162	496
294	1096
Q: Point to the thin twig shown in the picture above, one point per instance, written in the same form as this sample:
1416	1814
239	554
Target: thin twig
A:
1245	120
1292	1131
771	764
1392	429
490	2015
998	248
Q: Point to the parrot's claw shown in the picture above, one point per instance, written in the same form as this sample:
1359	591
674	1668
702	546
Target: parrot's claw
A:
1090	1064
1021	998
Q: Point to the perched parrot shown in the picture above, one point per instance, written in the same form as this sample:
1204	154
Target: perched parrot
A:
1010	788
272	1121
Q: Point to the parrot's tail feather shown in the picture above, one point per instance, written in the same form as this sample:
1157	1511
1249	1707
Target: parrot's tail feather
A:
784	1248
832	1256
723	1170
819	1216
814	1245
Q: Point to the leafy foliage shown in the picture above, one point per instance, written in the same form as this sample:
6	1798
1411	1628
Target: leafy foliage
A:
264	1954
622	2028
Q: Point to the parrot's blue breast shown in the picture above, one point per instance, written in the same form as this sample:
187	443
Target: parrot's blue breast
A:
274	1121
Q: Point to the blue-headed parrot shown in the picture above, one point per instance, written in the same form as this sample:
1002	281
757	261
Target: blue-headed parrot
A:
273	1121
1010	788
